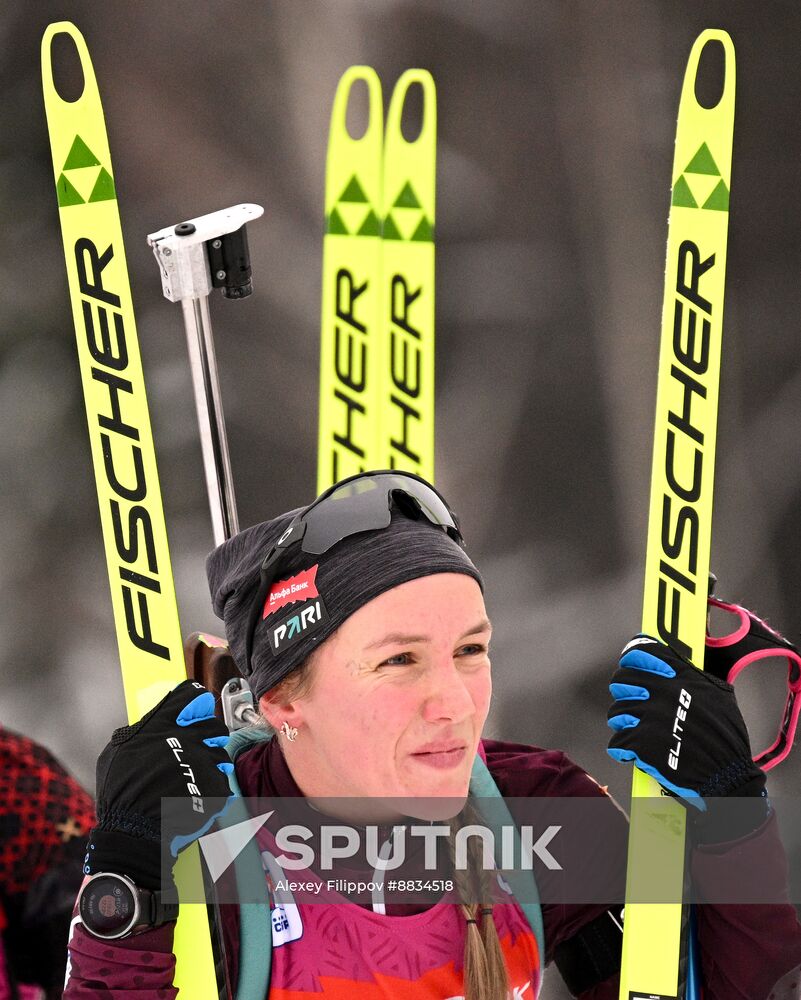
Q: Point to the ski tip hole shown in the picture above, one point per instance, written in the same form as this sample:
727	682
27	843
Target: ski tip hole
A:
66	68
411	123
357	113
710	76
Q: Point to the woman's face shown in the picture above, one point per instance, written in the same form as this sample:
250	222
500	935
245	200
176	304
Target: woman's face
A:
399	696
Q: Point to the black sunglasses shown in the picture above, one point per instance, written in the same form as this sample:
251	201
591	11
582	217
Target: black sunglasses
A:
363	502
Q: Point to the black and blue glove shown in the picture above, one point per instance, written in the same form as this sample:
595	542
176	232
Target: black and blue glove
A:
175	751
683	726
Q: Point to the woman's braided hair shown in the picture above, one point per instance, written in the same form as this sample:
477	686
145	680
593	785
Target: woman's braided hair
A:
485	976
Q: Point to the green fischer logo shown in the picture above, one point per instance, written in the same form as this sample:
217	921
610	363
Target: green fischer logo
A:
83	179
704	188
353	215
407	220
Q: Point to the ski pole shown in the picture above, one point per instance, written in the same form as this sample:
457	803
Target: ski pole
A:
194	257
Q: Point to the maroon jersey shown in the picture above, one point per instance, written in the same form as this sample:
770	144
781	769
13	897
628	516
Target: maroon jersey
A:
745	950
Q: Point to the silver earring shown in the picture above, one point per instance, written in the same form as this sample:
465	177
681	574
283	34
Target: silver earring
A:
289	731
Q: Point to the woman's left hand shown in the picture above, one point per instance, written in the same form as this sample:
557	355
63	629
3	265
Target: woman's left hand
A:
680	725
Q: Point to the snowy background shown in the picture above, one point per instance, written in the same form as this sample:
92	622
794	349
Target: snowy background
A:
556	124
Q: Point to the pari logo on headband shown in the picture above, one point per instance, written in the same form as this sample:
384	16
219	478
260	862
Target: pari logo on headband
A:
297	624
296	588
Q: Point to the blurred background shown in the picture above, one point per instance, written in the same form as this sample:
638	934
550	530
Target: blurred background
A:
556	126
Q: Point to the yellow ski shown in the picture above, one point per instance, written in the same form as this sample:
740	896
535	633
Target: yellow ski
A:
377	332
406	381
131	513
680	518
351	273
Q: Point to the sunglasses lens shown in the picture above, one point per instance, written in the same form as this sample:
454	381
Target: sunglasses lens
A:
365	504
432	506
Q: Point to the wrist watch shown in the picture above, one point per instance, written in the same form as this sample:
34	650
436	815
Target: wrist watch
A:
112	906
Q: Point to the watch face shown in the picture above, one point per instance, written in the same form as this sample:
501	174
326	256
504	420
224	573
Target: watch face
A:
108	905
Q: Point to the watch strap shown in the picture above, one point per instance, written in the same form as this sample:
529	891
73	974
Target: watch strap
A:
156	908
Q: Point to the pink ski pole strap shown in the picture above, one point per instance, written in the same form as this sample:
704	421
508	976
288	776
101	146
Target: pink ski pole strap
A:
751	641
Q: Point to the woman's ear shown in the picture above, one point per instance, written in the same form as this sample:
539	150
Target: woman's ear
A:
277	711
284	702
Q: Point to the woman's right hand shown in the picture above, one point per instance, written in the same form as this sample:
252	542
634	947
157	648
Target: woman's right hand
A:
175	751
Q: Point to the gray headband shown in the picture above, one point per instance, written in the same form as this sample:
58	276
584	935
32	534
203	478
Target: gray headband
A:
350	574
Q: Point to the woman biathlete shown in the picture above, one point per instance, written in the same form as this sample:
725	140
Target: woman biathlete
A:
360	625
